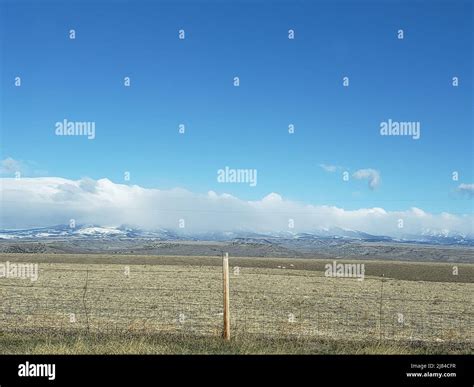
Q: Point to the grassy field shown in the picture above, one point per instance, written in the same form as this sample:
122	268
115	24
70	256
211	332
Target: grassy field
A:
117	344
146	304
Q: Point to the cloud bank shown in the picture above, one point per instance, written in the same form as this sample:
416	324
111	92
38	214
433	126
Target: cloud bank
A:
46	201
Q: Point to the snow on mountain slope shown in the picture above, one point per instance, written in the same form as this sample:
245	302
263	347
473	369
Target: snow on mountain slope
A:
437	237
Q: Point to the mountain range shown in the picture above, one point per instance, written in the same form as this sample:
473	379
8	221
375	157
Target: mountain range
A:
95	232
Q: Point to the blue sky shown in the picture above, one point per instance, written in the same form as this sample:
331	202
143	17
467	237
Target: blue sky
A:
283	82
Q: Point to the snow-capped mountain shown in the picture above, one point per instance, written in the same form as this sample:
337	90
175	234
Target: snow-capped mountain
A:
436	237
439	237
83	231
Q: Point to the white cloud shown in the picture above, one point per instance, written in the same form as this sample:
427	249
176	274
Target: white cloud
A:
10	166
467	189
371	175
329	168
46	201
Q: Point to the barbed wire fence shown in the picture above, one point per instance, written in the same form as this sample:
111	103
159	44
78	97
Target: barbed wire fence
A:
280	302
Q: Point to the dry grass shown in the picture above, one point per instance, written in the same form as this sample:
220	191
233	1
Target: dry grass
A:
185	300
118	344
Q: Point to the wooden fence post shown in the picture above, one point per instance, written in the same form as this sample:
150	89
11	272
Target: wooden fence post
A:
380	308
225	278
